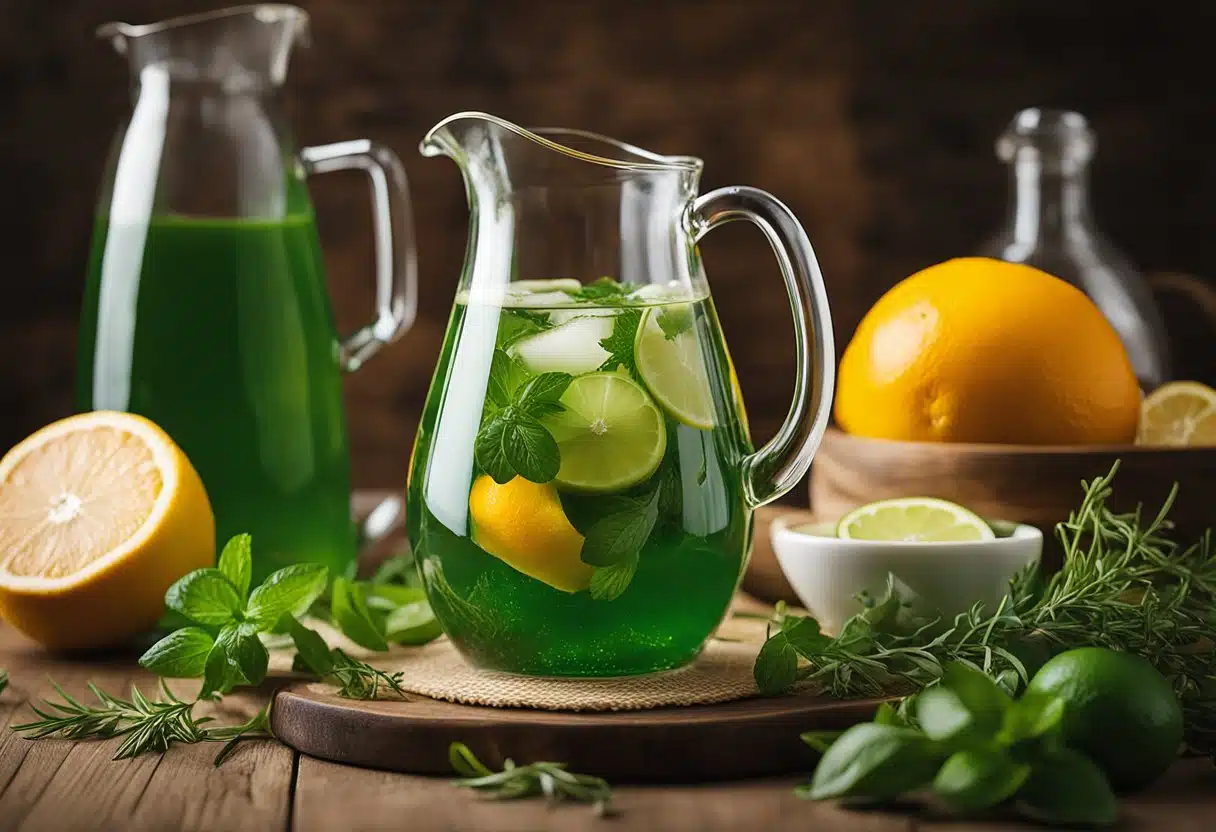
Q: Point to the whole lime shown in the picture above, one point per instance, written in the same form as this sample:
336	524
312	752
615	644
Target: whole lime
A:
1120	712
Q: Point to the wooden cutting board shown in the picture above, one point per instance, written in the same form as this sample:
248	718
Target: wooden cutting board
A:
746	738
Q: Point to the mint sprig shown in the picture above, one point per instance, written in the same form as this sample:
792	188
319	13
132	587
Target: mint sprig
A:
605	292
517	324
512	441
619	343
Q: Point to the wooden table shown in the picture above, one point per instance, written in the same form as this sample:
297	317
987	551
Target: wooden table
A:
60	785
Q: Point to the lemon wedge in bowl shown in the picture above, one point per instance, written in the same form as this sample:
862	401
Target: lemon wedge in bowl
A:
99	514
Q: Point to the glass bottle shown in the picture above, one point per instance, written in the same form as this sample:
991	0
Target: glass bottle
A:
1051	228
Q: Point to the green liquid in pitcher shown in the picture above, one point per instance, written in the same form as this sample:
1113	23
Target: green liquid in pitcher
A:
652	436
220	331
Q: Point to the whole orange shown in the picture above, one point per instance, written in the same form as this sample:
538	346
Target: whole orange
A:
980	350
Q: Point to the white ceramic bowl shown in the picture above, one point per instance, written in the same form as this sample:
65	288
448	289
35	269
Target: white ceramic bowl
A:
828	573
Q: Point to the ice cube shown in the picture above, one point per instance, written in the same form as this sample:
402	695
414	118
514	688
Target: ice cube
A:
573	347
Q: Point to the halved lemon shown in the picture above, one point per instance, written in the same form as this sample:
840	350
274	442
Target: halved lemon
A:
1178	414
99	514
913	519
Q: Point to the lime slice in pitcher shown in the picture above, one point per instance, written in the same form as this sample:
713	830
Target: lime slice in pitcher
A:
913	519
610	434
670	362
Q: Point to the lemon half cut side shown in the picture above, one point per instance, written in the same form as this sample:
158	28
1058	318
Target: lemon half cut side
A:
99	514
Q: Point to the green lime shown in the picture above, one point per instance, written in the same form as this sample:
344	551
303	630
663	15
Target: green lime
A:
913	519
1120	712
672	366
610	434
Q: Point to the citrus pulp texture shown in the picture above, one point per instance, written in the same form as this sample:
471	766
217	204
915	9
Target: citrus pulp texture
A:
979	350
913	519
99	514
1120	712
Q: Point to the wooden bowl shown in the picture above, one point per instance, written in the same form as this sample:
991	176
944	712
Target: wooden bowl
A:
1037	484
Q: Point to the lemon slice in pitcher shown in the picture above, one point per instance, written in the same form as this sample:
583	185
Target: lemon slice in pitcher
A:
913	519
610	434
99	514
670	362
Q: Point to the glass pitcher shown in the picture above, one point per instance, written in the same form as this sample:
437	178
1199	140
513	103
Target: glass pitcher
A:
1050	226
205	306
581	491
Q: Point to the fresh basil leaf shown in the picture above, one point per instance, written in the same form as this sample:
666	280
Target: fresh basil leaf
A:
205	596
350	615
674	320
804	635
506	375
246	651
619	343
179	655
776	667
412	624
545	388
291	589
1032	717
530	449
820	741
1067	789
943	716
610	582
236	562
616	536
311	649
979	694
875	761
979	778
490	448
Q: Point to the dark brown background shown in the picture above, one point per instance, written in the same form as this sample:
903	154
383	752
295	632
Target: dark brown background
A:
873	120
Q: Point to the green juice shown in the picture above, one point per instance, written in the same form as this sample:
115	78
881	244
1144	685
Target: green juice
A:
220	331
691	560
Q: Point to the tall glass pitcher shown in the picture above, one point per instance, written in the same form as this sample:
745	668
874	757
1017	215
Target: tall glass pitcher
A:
206	308
581	492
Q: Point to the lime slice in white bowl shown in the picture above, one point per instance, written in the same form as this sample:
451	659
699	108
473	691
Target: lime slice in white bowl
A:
913	520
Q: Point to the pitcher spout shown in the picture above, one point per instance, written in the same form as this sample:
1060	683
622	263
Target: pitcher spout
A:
241	48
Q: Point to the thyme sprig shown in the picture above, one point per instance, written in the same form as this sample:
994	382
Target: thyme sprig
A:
550	780
1125	584
145	724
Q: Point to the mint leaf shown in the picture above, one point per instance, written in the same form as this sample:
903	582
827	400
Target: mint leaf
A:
776	667
506	375
621	533
350	614
530	449
874	761
979	693
490	449
179	655
604	291
609	582
205	596
412	624
1033	716
221	673
545	388
236	562
311	649
517	324
619	343
674	320
289	590
979	778
245	650
1067	789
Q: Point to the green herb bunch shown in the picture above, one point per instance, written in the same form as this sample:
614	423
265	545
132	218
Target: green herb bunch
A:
973	747
550	780
514	441
223	642
1124	584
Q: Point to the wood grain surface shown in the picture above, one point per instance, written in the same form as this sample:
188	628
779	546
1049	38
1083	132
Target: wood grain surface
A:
728	741
874	122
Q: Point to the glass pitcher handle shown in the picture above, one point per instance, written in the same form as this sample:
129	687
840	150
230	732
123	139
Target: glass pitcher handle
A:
777	467
393	226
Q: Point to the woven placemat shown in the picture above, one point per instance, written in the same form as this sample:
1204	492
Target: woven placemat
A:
722	673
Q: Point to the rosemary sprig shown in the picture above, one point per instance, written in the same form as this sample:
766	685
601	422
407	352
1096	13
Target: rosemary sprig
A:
147	725
551	780
1125	584
359	680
